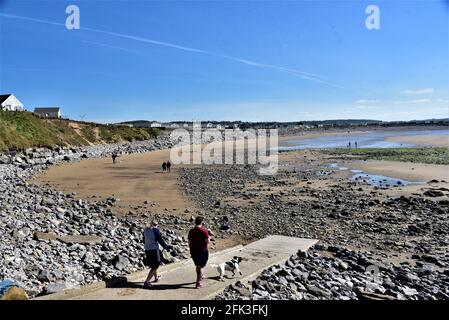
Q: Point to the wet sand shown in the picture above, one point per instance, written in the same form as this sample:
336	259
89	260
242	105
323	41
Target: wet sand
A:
404	170
312	135
134	179
422	140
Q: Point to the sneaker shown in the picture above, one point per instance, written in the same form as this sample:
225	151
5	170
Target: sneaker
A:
147	285
157	279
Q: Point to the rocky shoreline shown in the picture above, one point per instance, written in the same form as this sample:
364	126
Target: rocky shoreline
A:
51	241
401	233
335	273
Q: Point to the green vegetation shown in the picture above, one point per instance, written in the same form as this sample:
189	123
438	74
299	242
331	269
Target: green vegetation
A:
21	130
111	134
431	155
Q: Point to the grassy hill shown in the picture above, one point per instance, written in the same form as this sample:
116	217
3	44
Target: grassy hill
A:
21	130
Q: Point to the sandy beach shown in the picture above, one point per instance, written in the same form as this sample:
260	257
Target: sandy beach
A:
424	140
138	181
134	179
404	170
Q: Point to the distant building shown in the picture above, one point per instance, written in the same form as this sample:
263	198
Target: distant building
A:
130	125
53	112
9	102
155	124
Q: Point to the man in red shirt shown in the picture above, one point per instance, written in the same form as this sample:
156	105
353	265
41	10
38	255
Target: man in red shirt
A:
198	243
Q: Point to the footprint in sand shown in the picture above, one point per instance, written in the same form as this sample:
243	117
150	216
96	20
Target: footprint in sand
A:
127	292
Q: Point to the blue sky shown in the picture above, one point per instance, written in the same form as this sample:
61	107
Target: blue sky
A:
228	60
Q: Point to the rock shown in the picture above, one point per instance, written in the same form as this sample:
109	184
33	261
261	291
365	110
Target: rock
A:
365	295
343	265
44	236
88	257
121	262
318	292
409	291
4	159
56	287
43	276
82	239
15	293
433	193
241	289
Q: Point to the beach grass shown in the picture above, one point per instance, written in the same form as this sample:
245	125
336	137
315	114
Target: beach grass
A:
429	155
21	130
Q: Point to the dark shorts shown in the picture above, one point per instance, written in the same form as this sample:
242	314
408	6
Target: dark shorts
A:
200	257
153	258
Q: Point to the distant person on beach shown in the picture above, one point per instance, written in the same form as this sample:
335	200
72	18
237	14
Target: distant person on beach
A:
198	243
152	238
168	165
349	145
114	157
164	166
355	145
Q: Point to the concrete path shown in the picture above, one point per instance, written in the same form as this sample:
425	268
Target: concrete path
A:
178	279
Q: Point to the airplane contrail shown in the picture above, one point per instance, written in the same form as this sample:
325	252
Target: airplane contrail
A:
295	72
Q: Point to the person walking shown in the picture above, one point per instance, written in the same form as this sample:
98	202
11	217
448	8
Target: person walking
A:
168	165
164	167
114	157
152	238
198	243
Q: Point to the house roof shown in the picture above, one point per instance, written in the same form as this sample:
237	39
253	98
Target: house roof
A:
3	97
45	110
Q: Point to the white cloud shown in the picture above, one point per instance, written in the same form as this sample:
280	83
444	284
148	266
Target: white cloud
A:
413	101
419	91
443	100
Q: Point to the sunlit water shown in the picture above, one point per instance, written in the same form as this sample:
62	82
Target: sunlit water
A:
375	139
381	181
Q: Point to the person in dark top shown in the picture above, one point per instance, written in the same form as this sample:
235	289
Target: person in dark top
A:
114	157
198	243
168	165
152	238
164	166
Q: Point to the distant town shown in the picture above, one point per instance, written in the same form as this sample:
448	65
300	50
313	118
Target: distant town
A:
9	102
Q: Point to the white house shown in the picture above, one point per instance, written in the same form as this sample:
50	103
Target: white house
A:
155	124
9	102
53	112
